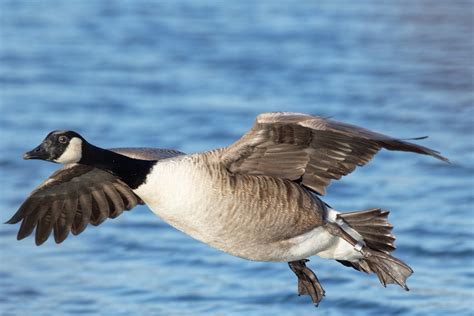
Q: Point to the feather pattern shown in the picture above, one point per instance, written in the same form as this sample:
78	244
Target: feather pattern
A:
309	148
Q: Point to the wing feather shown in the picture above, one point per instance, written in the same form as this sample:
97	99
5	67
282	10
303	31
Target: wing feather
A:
314	149
100	207
116	203
84	213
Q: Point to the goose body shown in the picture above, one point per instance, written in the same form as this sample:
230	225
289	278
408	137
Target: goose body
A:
238	214
257	199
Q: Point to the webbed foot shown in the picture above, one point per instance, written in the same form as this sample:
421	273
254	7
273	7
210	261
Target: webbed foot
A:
308	283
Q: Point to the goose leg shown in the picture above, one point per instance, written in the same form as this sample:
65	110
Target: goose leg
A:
308	283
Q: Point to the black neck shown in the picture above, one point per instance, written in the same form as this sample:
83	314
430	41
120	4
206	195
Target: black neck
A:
131	171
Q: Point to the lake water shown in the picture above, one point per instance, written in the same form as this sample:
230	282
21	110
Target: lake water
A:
192	75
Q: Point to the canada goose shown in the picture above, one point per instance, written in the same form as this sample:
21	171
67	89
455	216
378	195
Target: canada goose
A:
257	199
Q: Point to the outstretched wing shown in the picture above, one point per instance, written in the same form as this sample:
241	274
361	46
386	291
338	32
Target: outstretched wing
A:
77	195
309	148
69	200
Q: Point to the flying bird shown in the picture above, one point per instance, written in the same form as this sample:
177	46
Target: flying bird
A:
257	199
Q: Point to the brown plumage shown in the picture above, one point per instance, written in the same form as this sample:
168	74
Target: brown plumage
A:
314	149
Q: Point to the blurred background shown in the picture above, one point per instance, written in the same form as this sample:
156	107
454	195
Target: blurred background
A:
192	75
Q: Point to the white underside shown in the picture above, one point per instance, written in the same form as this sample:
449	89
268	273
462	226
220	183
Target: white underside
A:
321	243
195	206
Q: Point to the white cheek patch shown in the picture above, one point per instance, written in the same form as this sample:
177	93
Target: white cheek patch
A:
73	152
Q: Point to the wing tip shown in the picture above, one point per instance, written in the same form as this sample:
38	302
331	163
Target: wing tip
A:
12	220
438	156
416	138
398	144
41	239
434	153
61	238
22	235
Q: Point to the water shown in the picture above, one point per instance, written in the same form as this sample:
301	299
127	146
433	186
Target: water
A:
192	75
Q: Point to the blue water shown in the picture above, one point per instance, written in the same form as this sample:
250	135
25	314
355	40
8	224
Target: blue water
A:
192	75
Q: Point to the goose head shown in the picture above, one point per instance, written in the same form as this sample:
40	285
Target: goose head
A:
59	146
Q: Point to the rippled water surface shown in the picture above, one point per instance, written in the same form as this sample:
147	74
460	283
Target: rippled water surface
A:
192	75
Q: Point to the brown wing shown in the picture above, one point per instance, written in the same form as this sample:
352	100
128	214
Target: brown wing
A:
77	195
312	149
70	199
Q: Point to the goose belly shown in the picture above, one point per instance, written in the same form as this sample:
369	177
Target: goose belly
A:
241	215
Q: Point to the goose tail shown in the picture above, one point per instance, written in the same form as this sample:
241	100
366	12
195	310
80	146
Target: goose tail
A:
376	231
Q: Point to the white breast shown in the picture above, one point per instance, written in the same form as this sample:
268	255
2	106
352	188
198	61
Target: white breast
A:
181	194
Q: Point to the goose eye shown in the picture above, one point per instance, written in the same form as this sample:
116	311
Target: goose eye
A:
62	139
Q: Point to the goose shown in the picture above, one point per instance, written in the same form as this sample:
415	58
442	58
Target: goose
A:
258	199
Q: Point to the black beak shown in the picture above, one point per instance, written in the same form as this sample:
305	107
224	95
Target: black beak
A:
39	152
